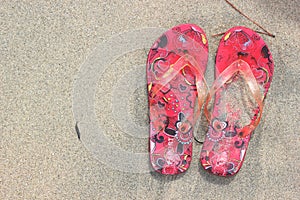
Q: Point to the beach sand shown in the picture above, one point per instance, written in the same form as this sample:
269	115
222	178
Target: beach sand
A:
44	46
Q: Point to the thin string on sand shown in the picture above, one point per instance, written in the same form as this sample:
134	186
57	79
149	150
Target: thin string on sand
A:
266	32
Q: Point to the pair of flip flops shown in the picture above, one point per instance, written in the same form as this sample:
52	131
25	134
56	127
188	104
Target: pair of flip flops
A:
177	91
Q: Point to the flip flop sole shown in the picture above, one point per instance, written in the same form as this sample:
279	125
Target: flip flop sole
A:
171	104
224	148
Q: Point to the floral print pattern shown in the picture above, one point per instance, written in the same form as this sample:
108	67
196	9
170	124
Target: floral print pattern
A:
172	102
225	146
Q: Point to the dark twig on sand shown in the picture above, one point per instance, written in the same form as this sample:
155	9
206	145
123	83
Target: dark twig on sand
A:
265	30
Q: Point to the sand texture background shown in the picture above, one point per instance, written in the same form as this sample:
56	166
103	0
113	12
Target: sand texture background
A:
43	45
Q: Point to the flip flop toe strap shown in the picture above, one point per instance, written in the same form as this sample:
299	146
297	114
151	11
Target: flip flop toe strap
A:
175	69
242	67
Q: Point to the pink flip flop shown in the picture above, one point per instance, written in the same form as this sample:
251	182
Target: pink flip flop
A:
244	70
175	67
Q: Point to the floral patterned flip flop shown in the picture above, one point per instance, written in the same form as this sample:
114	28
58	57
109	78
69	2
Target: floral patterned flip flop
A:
175	68
244	70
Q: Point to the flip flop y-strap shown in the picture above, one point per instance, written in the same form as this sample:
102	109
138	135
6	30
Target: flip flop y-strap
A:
175	69
242	67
